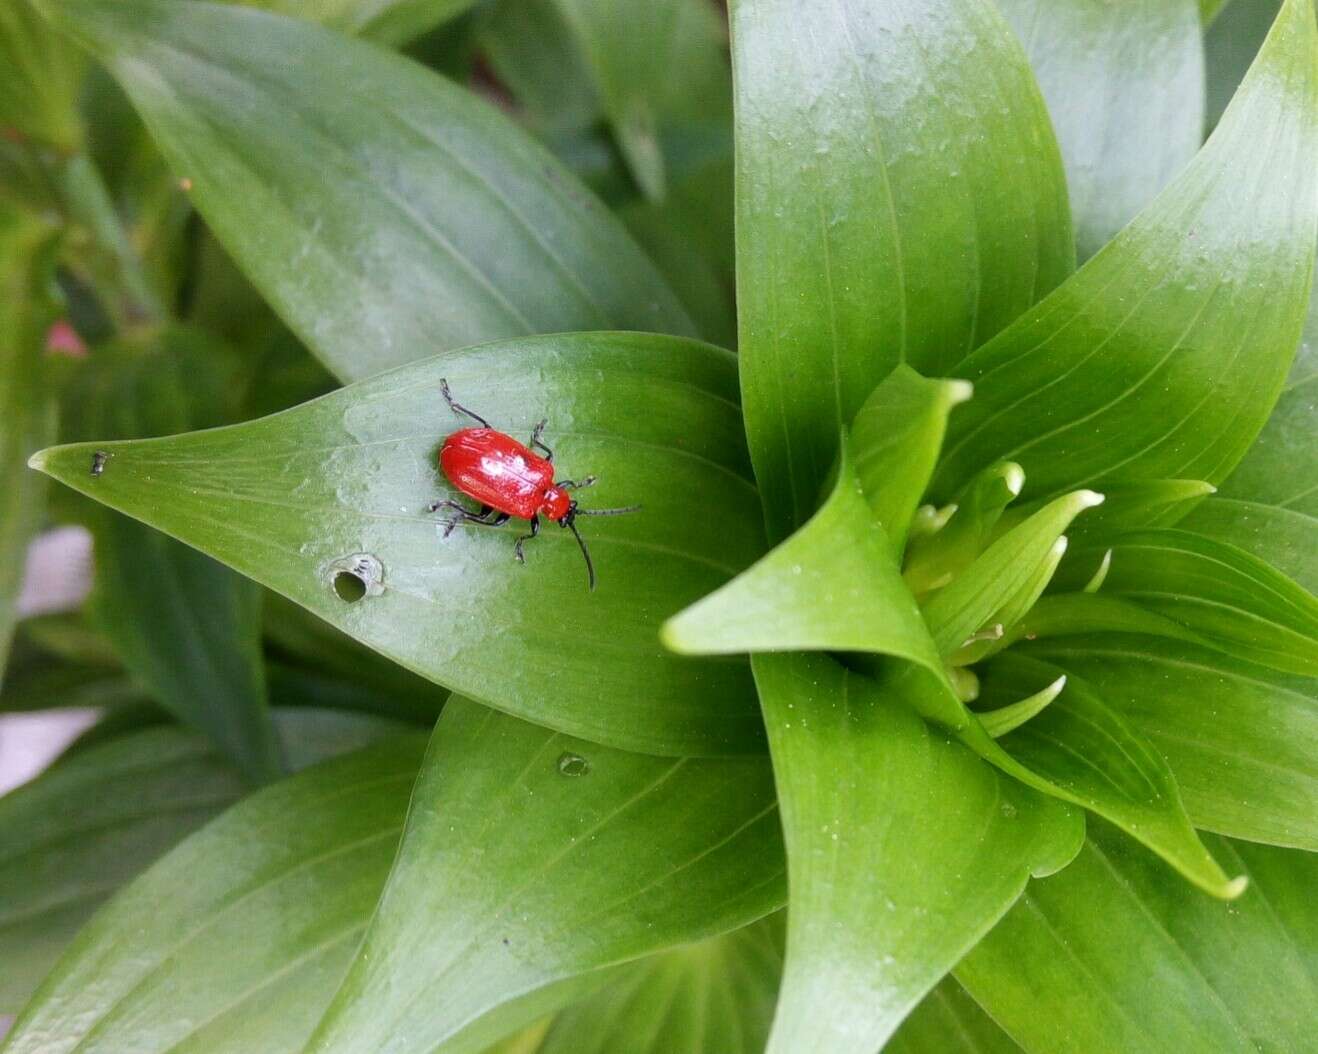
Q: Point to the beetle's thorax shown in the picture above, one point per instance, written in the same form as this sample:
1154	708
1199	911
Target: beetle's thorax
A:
556	504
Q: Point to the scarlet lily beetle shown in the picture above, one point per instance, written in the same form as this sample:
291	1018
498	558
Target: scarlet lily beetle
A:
509	479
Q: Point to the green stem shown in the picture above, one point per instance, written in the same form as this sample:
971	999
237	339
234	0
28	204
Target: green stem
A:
88	202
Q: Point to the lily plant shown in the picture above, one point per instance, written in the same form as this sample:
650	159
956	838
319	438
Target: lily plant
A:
953	686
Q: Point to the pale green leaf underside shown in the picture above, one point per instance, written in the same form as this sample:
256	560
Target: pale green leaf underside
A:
1162	357
234	941
895	202
904	847
100	815
1114	954
392	218
1124	84
521	840
294	499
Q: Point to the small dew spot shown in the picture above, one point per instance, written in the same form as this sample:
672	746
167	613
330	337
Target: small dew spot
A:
356	576
572	765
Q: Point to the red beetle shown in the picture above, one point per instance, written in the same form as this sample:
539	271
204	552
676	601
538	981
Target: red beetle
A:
509	479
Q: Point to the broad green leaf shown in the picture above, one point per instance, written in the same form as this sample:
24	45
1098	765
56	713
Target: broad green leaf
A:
305	650
186	627
1285	538
338	489
834	585
522	841
1269	505
1114	954
1209	9
1082	744
900	198
104	812
531	50
903	849
1139	504
1241	739
715	995
1124	84
392	218
896	436
27	413
39	78
1222	594
976	596
654	63
1161	358
948	1021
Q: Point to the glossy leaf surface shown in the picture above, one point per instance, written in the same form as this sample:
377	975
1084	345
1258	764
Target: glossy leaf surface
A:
893	204
944	842
521	840
1221	593
393	218
1124	86
338	488
1162	357
1084	745
1240	739
1124	958
235	939
106	811
634	48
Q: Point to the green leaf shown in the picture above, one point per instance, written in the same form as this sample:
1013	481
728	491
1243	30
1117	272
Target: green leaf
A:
1080	743
834	585
384	223
1222	594
1162	357
1113	954
633	48
689	235
1209	9
388	21
520	841
948	1021
27	414
39	79
900	198
103	813
716	995
896	436
338	489
1269	505
1240	739
903	849
1124	85
186	627
531	50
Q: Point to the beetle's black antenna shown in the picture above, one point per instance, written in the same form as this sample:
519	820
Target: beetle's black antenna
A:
458	408
590	567
608	512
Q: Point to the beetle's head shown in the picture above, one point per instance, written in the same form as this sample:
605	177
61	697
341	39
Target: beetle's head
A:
557	505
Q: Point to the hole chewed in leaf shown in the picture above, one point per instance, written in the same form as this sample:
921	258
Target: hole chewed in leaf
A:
356	576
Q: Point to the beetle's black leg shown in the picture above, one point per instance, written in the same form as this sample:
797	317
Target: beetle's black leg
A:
535	530
458	408
577	484
536	433
487	517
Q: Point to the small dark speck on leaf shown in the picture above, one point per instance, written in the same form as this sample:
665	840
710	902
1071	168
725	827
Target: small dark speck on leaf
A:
99	458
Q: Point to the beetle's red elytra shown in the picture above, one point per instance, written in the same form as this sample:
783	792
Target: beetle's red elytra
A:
510	480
